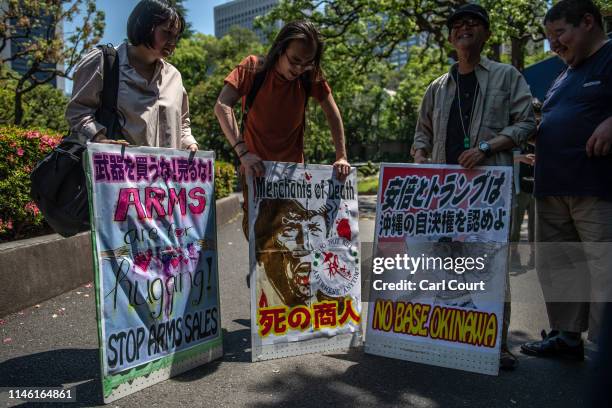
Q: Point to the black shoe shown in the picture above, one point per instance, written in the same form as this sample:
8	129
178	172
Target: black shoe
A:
552	345
507	360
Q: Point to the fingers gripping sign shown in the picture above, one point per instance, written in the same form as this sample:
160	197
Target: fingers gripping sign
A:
252	164
342	168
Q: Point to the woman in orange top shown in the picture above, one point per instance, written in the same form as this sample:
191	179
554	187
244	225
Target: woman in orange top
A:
286	77
275	126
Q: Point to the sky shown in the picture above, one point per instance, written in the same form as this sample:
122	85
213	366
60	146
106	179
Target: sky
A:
199	14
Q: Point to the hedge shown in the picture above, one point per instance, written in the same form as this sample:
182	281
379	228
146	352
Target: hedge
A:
225	179
20	150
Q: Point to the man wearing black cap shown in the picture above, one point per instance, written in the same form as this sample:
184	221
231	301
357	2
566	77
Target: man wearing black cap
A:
480	110
476	113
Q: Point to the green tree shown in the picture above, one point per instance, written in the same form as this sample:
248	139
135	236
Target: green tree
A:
43	107
361	98
517	22
379	102
424	65
204	61
605	5
365	85
6	106
364	30
192	58
32	29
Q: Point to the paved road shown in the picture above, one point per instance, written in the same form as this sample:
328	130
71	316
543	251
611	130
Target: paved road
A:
55	344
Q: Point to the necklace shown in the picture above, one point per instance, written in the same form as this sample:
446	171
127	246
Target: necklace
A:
466	136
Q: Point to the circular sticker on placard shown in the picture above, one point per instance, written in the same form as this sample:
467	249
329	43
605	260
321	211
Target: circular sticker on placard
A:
336	267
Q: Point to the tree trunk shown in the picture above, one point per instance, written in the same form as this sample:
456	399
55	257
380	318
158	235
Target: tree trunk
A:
496	52
518	53
18	108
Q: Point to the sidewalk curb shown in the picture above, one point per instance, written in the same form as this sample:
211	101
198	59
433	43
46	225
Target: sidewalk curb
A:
36	269
228	208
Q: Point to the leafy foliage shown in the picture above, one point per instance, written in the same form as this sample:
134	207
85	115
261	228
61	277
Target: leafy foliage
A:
43	107
32	28
361	31
367	170
204	61
225	179
21	150
517	22
368	186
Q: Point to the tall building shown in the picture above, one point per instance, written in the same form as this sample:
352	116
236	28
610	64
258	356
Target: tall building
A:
21	65
241	13
399	56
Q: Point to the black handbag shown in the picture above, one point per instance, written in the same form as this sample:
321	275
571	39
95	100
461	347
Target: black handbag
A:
58	181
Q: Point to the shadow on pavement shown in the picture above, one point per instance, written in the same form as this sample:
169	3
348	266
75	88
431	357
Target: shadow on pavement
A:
535	383
237	345
56	368
367	206
243	322
198	372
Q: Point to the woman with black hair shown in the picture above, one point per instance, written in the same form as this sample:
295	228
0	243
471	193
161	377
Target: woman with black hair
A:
152	104
275	91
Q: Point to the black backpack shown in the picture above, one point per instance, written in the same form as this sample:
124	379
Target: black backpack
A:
58	181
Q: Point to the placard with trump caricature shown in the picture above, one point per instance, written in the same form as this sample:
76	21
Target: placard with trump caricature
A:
304	261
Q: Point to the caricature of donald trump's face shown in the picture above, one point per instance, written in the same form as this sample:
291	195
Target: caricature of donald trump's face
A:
285	238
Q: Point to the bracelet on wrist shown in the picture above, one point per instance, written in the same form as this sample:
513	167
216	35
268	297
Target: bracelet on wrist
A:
241	155
237	143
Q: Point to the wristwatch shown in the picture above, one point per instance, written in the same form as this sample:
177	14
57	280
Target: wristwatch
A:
485	148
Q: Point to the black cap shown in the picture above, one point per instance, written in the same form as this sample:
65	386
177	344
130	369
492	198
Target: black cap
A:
473	10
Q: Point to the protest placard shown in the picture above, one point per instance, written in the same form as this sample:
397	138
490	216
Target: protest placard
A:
155	261
304	261
440	265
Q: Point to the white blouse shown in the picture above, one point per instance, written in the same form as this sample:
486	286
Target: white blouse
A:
156	113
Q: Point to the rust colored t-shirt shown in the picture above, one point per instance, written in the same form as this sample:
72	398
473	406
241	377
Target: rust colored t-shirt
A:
274	129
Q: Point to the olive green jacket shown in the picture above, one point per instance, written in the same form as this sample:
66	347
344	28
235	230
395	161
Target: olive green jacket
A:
503	107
